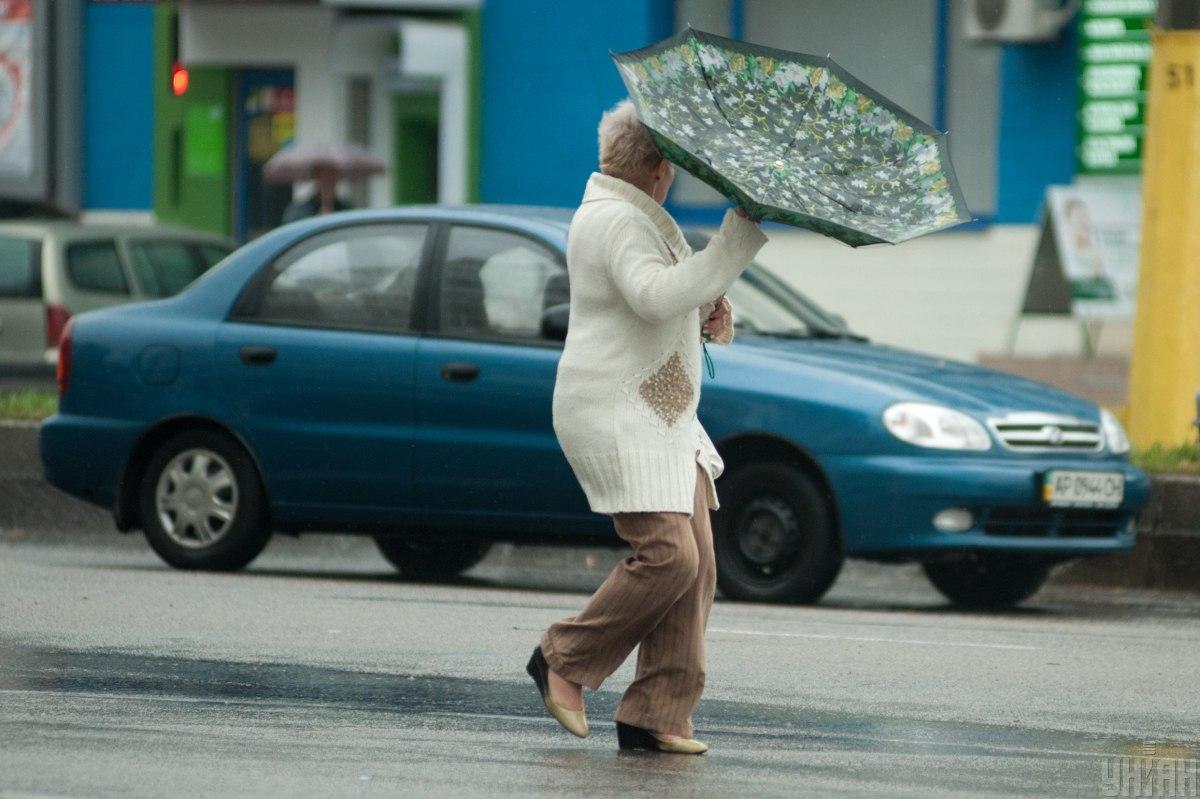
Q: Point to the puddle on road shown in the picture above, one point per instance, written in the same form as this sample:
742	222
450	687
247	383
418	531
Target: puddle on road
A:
121	673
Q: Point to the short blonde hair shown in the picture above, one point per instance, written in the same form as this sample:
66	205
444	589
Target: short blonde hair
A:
627	150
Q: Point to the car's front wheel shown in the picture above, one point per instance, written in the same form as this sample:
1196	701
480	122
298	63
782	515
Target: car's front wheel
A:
987	580
774	536
431	560
202	505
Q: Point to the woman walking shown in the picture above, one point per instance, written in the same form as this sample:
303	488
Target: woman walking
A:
624	412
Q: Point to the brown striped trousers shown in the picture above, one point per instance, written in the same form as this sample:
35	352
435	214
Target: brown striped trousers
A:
657	600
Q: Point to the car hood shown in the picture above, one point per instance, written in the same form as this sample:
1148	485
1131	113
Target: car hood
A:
897	374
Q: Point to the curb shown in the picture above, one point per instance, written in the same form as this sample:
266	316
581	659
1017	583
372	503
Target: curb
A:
1167	553
27	502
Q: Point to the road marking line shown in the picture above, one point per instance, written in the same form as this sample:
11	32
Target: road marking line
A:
821	637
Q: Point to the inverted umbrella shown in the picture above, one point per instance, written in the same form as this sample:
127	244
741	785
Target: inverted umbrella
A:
301	161
793	138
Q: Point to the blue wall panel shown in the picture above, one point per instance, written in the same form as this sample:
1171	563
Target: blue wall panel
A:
118	106
547	77
1038	96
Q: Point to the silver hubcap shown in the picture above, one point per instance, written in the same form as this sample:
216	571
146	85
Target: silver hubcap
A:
197	498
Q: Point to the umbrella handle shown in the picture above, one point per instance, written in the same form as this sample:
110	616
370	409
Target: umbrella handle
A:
744	214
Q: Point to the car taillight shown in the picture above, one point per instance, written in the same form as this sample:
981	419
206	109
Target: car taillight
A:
62	374
56	319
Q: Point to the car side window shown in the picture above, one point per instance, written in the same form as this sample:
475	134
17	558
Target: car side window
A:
165	268
212	254
20	267
496	284
362	277
95	266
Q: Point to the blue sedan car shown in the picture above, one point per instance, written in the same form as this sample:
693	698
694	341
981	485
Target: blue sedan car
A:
390	373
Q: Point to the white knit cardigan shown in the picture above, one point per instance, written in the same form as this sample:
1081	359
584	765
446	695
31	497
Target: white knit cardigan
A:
628	382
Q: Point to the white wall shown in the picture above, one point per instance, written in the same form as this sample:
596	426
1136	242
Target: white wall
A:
364	49
950	294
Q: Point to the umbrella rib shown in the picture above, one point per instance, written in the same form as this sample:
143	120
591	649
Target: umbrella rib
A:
859	176
708	82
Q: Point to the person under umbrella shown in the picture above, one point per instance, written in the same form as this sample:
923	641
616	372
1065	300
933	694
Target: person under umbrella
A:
624	412
326	164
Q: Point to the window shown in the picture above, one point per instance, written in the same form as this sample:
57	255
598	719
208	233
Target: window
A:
362	277
497	284
212	254
95	266
164	268
20	268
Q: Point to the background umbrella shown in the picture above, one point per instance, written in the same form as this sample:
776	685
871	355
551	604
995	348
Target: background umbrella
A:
303	161
794	138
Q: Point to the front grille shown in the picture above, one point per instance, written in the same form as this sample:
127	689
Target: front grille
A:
1036	432
1053	522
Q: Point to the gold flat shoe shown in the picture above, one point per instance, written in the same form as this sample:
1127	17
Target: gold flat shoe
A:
631	737
574	721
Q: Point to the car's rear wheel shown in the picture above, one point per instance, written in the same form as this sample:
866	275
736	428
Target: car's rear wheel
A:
774	536
202	504
987	580
431	560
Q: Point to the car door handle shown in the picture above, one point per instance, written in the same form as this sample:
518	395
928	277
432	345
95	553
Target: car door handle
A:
459	372
257	356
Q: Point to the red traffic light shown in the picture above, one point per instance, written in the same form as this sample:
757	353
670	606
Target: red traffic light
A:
179	79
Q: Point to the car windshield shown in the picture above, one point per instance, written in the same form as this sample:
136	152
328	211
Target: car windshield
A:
765	305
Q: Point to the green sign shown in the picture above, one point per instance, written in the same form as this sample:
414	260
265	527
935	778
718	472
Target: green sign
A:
1114	59
204	140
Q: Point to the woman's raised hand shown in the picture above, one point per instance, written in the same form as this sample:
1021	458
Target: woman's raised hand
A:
719	324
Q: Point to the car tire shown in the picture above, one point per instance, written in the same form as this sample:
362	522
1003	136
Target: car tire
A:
202	503
428	560
774	536
987	581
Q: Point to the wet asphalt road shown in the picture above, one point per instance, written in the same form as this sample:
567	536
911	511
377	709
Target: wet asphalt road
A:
316	673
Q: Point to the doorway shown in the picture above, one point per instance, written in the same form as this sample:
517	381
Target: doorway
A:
415	122
265	104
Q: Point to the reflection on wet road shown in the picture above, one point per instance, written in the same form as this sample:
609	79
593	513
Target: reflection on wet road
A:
268	725
118	678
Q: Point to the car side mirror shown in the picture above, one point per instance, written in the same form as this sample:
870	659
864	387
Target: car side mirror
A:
554	322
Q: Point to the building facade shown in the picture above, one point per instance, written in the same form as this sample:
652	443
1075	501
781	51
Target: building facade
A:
497	101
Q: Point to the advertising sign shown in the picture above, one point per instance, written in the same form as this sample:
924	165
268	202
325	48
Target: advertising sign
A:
1097	230
1114	55
16	88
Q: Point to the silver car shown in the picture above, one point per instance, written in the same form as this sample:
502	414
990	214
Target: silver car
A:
53	269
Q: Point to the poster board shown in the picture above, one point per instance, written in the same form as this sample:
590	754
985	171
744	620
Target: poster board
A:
1085	263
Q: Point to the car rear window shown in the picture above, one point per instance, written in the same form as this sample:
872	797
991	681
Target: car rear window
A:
20	267
95	266
165	268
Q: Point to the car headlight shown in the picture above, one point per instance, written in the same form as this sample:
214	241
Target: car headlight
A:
1114	433
935	426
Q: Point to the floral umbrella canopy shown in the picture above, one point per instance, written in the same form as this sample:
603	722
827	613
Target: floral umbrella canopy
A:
794	138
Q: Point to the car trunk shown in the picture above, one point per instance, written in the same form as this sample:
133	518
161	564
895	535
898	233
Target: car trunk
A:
22	312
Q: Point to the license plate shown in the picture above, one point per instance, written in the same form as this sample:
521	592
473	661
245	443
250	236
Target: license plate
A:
1065	489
